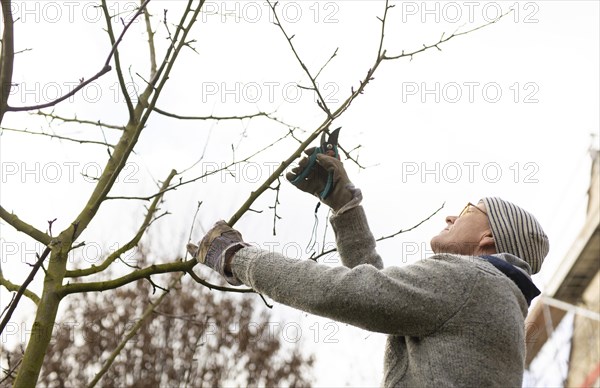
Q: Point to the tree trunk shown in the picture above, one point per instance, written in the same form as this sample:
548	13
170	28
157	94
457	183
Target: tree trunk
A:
45	317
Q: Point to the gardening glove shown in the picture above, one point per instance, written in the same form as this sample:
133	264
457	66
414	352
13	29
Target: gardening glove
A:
343	195
217	247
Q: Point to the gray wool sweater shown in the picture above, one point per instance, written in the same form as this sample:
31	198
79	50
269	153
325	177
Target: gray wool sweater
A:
451	320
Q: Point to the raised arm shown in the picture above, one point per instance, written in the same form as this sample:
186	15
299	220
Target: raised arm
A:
354	239
413	300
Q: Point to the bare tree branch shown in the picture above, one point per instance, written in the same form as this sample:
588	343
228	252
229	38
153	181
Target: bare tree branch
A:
150	33
443	40
7	57
83	84
350	157
412	227
53	136
198	280
274	207
269	116
97	123
211	117
154	269
24	227
10	286
75	90
192	226
114	42
22	289
144	273
23	51
327	63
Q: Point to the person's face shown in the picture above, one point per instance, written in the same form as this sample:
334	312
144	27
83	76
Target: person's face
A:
466	234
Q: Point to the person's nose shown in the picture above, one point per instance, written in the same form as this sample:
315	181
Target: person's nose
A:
450	220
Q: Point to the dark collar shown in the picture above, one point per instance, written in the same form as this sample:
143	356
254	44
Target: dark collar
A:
522	281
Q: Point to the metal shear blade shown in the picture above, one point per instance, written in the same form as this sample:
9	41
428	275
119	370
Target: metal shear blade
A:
329	146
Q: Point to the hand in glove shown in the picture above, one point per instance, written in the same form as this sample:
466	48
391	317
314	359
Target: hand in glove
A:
343	195
217	248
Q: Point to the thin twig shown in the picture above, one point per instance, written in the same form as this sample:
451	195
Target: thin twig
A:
211	286
412	227
274	207
326	63
444	39
53	136
323	253
99	123
8	305
155	286
350	157
193	223
23	51
211	117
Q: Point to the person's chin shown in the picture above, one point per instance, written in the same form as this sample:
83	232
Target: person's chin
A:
436	244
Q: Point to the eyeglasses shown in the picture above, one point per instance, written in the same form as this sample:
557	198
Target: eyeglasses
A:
466	209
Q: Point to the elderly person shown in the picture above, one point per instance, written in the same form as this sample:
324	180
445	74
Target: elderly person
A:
454	319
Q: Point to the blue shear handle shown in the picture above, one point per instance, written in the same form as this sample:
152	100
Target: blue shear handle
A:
328	186
312	160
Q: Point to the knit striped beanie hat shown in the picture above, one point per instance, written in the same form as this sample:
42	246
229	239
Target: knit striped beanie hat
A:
517	232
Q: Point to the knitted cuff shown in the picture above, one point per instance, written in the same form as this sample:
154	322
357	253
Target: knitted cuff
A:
354	202
227	256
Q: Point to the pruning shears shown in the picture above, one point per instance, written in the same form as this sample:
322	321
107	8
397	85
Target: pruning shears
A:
328	147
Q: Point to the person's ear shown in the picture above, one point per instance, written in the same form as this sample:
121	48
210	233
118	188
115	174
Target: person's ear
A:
487	242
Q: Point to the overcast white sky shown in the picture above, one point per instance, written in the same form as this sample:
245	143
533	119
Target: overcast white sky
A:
505	111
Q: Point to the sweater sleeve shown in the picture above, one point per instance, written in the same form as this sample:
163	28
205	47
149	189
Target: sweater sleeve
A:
355	242
412	300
